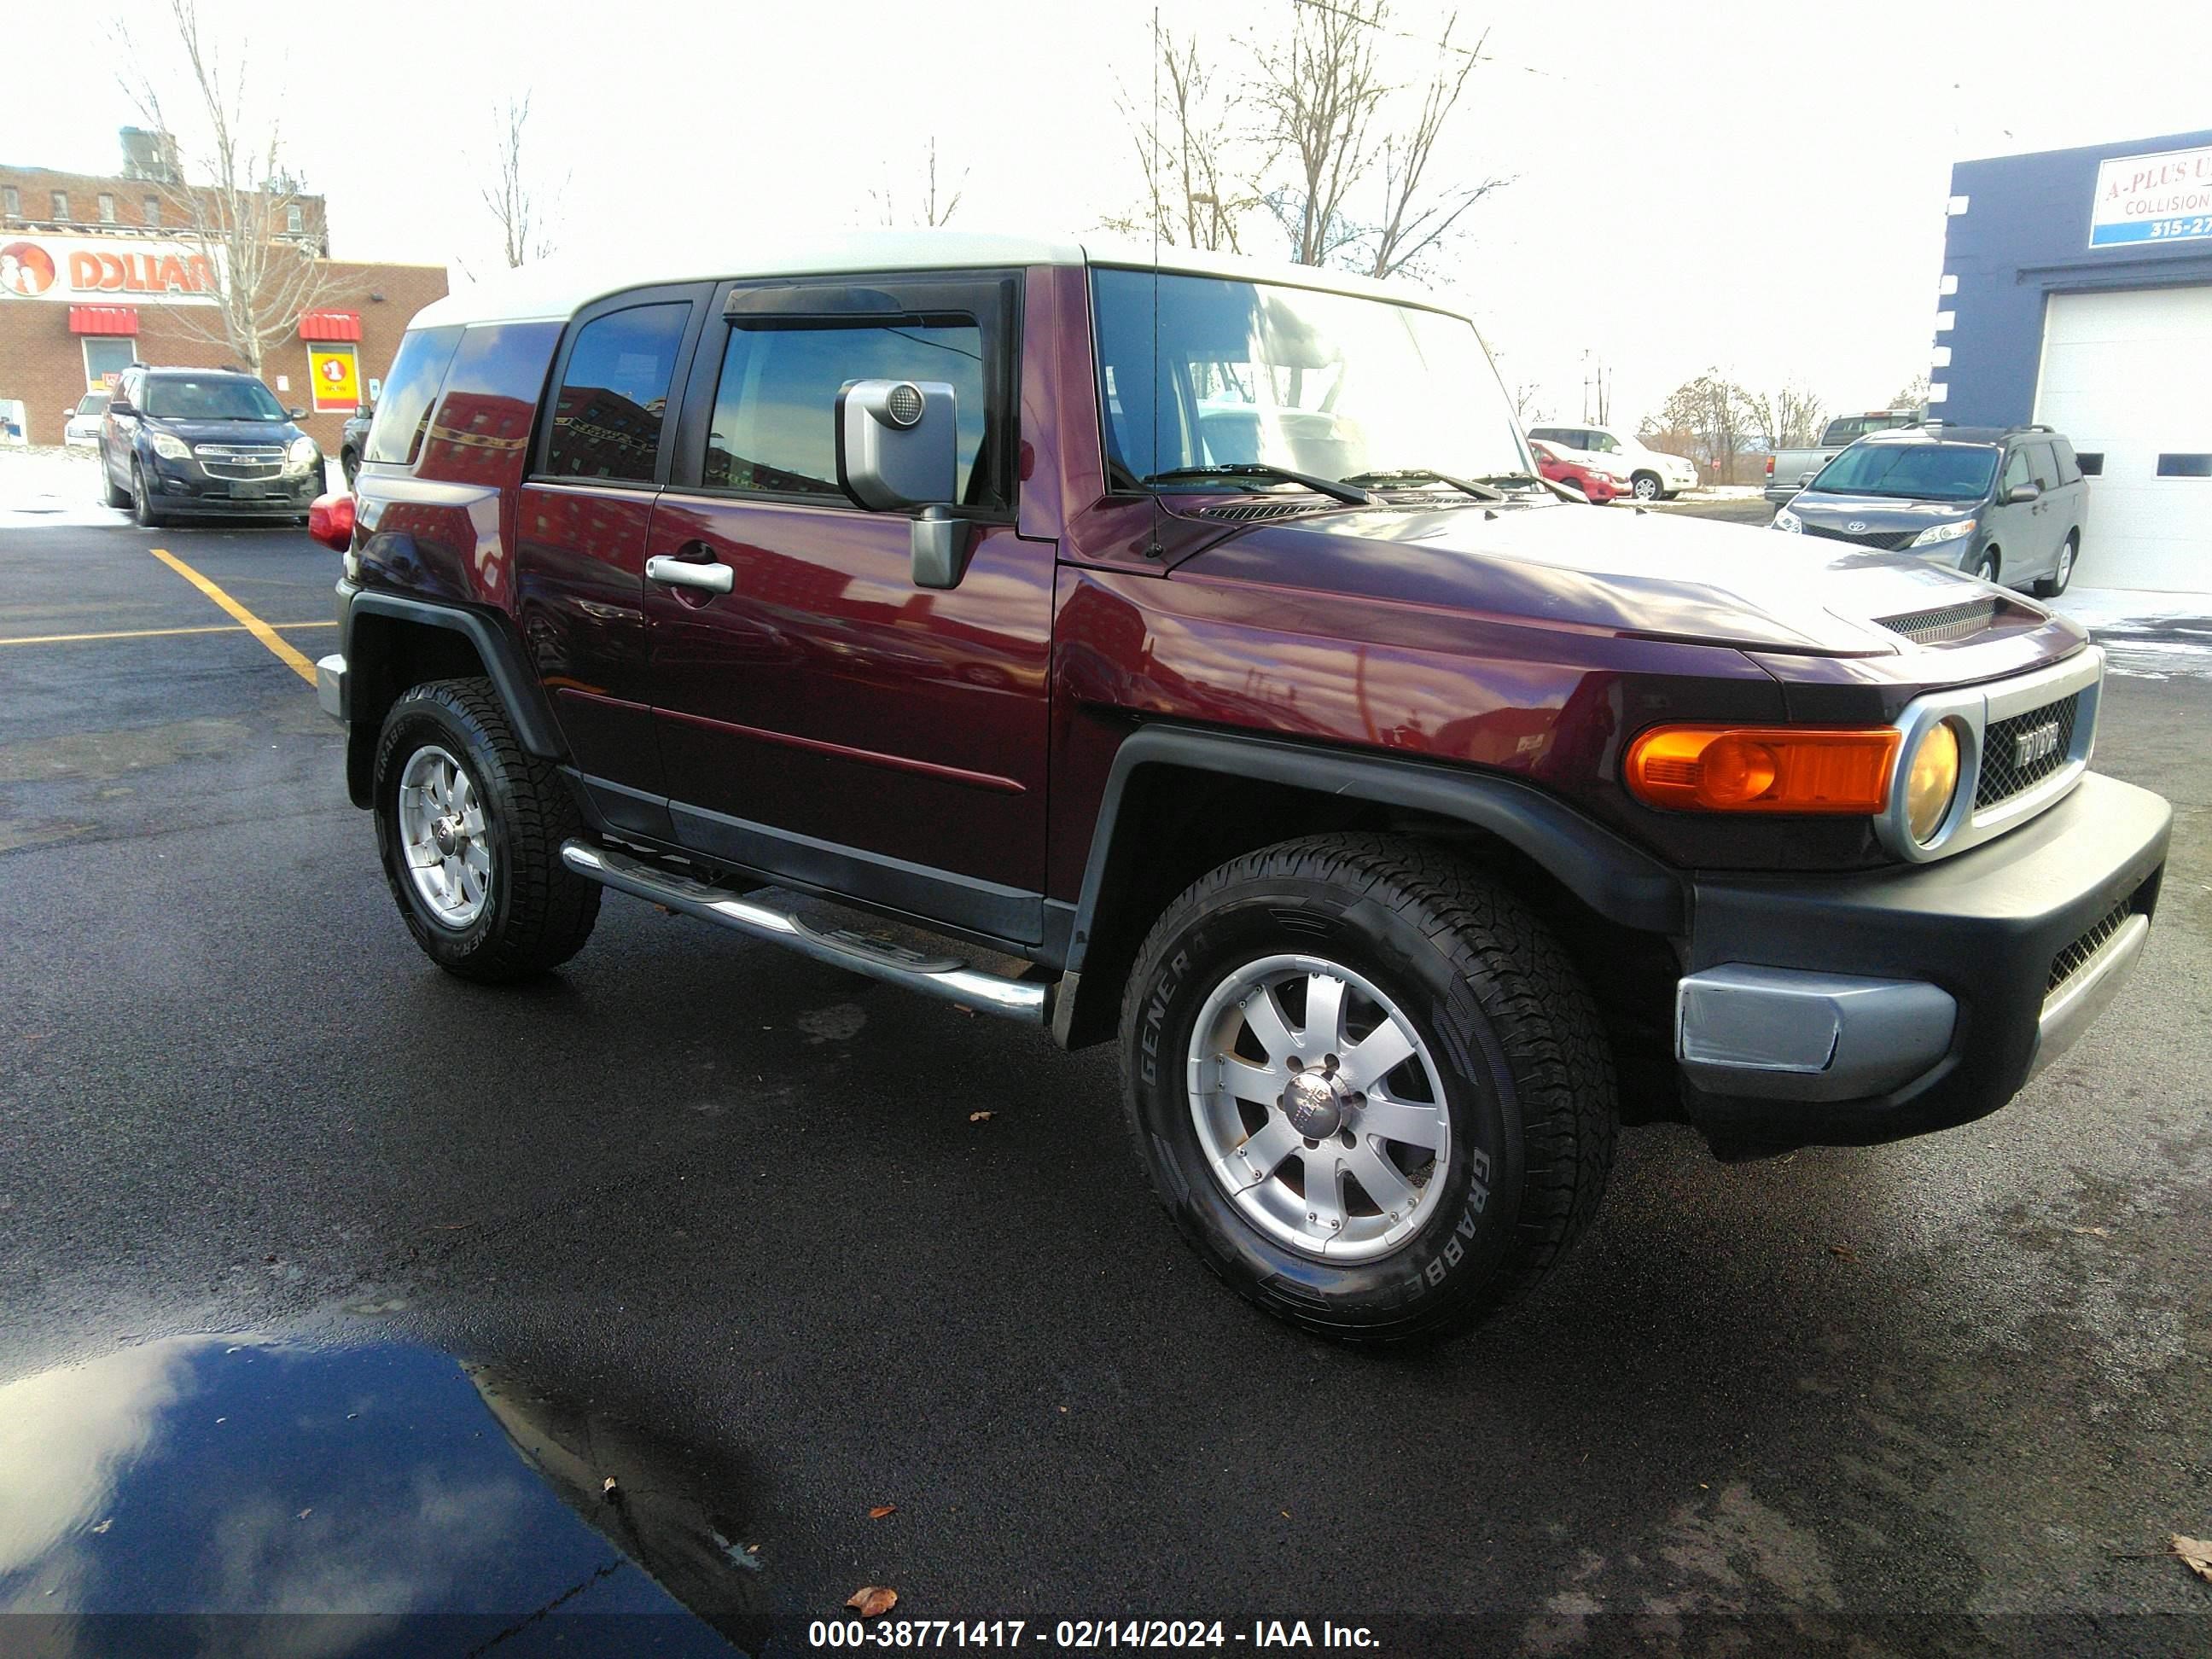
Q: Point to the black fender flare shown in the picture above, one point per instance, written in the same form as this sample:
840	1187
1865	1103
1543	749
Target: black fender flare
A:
1619	881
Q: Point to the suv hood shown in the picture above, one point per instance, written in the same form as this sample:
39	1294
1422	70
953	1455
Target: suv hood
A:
1648	574
225	432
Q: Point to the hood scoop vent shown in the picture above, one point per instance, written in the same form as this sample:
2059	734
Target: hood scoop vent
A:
1251	511
1945	626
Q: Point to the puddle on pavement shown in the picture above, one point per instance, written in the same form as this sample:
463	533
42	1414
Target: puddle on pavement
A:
353	1501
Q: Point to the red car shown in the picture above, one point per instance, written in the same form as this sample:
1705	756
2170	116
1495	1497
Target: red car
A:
1189	648
1575	467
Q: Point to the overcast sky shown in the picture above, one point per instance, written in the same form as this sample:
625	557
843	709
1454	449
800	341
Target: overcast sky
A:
1756	187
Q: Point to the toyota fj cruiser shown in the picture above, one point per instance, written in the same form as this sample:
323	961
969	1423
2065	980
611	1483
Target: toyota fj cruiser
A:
1185	654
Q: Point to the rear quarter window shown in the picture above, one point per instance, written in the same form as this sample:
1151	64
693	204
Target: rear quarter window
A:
2069	469
409	390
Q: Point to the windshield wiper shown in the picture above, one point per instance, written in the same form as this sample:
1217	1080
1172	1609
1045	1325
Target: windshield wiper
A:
1480	489
1346	493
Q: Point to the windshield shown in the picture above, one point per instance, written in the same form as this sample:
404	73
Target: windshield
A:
1326	384
218	397
1920	472
93	403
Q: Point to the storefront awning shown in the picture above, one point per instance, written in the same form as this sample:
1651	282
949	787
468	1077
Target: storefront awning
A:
103	320
330	325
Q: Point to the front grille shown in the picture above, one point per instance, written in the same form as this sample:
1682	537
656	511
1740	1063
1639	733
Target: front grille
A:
248	461
1889	541
2003	773
2070	961
1953	621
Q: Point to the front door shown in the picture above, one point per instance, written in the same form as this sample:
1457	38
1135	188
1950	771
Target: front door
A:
2016	526
825	722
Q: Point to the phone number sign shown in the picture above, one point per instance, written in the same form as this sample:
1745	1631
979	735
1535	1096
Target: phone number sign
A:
2152	198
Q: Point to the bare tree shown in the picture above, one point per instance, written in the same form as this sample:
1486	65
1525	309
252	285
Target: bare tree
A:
230	197
1328	108
932	212
1914	394
512	200
1198	170
1790	418
1715	414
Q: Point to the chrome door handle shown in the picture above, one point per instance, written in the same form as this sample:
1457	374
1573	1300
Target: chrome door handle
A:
711	577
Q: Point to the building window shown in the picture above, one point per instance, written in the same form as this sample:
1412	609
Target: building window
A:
295	221
106	208
2185	466
12	202
2092	463
61	206
153	209
105	360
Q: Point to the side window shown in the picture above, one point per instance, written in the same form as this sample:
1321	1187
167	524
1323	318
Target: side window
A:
2070	469
2041	467
775	422
1603	443
409	389
2015	473
613	399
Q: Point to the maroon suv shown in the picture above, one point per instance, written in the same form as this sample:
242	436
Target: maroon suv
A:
1185	654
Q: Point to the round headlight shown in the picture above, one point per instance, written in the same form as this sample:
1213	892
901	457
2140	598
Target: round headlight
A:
1932	781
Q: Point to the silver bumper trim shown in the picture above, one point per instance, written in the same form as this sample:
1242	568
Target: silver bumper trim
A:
2074	1007
1784	1033
329	685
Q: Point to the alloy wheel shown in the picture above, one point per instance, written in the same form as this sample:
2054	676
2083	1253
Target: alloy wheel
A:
444	837
1318	1107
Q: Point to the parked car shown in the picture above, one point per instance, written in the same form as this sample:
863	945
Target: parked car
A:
82	423
1652	475
176	442
2006	504
1406	830
1789	471
1599	484
353	440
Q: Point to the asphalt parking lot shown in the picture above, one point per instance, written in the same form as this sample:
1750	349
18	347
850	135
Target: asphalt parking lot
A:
737	1215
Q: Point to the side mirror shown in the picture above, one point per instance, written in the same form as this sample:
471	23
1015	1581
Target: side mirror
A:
1804	479
296	414
116	406
69	413
2020	495
897	449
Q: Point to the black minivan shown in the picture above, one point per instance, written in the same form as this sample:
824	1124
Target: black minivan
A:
2007	504
208	441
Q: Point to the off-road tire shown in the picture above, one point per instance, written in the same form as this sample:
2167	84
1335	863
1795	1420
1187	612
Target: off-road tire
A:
1527	1076
538	912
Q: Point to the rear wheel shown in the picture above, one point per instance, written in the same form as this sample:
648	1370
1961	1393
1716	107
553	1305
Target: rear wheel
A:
2050	586
1368	1087
470	826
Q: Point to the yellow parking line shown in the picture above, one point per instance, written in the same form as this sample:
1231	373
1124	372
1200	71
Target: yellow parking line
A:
252	624
150	632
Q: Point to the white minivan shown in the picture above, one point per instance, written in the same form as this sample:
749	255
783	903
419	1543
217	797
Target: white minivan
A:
1652	475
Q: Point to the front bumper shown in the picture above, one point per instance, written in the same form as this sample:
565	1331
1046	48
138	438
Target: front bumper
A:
187	489
1878	1005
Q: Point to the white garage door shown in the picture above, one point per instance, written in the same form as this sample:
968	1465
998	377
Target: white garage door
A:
2129	376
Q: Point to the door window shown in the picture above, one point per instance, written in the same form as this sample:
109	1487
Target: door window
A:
613	399
2041	467
773	430
1603	443
2015	474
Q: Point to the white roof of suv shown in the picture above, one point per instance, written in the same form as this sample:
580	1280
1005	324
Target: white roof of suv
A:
556	289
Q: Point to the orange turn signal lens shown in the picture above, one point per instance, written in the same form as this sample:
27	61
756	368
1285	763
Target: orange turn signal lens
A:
1763	769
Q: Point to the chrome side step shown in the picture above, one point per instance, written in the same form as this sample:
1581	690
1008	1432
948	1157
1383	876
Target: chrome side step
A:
948	978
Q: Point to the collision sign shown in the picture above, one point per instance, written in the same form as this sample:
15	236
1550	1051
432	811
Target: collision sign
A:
2152	198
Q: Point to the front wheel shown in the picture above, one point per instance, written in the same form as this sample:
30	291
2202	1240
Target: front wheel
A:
1647	487
110	494
1985	566
470	824
144	513
1368	1087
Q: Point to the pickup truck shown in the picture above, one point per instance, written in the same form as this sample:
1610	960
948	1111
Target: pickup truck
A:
1159	650
1790	471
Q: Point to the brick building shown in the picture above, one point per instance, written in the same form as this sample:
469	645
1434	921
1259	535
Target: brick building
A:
96	273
